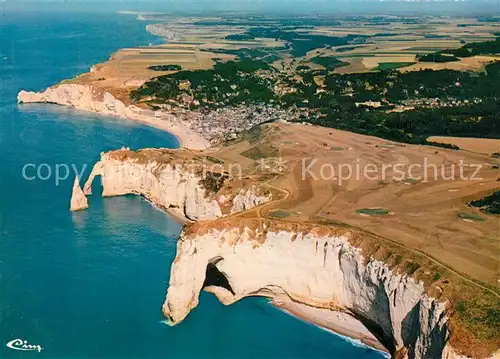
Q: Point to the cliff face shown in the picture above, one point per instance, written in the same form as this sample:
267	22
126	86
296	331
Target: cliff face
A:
170	186
89	98
78	96
320	270
235	258
78	199
247	199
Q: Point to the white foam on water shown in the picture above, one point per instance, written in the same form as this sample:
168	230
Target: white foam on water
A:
166	322
356	342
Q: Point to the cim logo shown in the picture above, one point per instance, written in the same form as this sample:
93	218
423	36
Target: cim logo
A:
19	344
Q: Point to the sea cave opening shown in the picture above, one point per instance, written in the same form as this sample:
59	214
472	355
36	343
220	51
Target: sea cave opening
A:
214	277
96	186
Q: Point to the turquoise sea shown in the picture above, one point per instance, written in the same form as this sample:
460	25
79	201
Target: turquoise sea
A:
91	284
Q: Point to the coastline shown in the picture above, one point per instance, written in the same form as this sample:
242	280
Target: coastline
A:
338	323
177	216
92	99
335	322
186	137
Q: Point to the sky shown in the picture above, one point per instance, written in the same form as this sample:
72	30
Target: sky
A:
358	7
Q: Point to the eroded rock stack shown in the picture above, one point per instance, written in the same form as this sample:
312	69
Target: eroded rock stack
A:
78	199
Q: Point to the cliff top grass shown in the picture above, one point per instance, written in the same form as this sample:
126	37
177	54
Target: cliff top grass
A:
180	156
216	176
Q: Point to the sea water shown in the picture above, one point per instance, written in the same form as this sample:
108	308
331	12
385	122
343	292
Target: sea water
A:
91	284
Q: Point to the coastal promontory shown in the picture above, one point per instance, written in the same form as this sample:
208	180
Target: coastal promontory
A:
287	232
319	167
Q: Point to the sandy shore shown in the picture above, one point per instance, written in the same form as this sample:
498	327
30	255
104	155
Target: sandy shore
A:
337	322
186	137
89	98
176	215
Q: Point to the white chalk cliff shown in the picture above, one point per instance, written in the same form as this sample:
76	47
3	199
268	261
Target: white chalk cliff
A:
320	270
247	199
170	186
78	198
315	266
89	98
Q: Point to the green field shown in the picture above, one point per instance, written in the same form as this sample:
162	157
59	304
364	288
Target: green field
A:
373	211
392	65
279	213
430	49
470	216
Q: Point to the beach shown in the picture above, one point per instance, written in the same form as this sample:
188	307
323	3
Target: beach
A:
90	98
337	322
167	122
